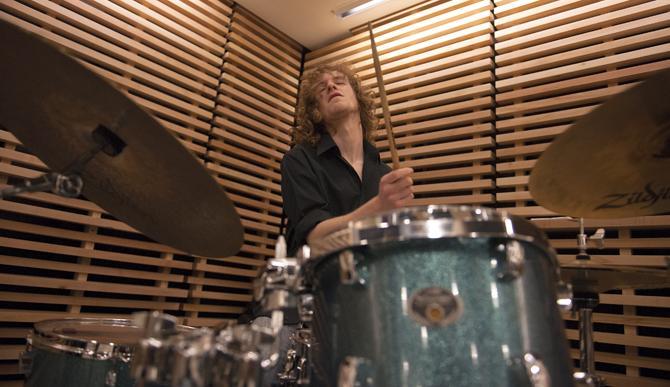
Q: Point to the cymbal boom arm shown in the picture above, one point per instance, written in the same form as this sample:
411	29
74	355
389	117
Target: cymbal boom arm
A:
69	183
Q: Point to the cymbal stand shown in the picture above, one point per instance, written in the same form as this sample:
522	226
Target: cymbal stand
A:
584	303
69	183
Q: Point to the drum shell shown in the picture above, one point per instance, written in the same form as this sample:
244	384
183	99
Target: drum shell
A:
502	317
60	369
61	356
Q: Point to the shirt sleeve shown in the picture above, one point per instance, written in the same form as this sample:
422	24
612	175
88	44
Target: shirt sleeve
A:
305	204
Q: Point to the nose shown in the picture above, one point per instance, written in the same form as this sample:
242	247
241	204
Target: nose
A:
330	84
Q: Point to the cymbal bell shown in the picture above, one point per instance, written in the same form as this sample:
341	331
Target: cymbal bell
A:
614	161
52	103
587	278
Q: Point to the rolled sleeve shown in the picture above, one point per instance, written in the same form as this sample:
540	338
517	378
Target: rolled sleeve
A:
305	202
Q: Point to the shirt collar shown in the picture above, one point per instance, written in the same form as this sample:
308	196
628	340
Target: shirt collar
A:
327	143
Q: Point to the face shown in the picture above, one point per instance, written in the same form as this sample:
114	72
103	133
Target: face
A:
335	96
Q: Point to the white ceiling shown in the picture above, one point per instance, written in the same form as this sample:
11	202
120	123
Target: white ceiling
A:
312	22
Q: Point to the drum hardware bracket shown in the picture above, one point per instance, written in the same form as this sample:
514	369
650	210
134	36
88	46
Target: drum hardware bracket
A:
306	307
26	359
296	371
564	296
511	265
583	238
69	183
110	379
348	273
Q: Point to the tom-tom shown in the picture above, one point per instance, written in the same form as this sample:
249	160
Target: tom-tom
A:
437	296
86	352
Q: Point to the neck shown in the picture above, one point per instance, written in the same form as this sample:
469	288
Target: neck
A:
348	135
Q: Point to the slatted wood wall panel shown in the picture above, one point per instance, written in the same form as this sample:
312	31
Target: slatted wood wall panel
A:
252	120
550	62
209	72
436	63
555	62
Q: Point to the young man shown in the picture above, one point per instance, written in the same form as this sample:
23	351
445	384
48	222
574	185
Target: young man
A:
334	174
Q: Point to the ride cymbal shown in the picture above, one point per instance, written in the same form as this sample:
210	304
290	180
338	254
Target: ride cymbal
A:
53	104
614	161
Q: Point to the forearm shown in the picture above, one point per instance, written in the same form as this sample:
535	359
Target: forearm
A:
331	225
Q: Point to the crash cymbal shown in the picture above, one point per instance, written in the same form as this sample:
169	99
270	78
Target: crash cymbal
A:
614	161
52	104
587	278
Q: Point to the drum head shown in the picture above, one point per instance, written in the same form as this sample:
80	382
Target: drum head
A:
428	222
108	331
94	338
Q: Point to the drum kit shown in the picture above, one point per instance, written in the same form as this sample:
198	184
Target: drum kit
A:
419	296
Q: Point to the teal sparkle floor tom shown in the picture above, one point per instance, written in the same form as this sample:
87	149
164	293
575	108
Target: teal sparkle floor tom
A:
80	352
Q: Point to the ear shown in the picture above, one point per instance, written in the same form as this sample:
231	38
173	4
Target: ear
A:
316	116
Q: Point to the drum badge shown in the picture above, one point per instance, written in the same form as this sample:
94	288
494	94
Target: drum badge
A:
434	306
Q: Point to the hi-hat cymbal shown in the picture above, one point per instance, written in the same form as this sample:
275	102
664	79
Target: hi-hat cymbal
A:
588	279
52	104
614	161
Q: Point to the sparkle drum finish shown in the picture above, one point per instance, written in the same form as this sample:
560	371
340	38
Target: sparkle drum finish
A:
437	296
82	352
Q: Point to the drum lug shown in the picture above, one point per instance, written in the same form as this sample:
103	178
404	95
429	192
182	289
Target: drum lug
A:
348	273
26	359
296	367
564	296
110	378
355	372
277	286
306	307
534	370
511	265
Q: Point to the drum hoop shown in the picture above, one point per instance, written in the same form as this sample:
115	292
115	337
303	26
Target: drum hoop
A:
86	349
463	222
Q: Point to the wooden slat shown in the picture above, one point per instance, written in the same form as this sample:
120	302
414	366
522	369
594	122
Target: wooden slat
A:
52	283
560	20
89	301
654	53
623	44
179	35
598	19
100	57
89	269
83	19
638	361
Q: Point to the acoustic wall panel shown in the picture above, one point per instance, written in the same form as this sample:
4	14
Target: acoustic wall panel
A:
225	84
555	64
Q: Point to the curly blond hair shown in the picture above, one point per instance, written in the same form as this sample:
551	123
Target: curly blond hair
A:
310	122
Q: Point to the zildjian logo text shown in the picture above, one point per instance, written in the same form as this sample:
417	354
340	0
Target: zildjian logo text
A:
646	198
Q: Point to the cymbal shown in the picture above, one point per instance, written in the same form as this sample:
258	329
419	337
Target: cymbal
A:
588	279
52	103
614	161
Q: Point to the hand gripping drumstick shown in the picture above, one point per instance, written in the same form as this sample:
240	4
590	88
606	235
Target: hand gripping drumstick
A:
382	95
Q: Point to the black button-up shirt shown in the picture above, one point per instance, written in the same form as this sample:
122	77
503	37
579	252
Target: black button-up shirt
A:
319	184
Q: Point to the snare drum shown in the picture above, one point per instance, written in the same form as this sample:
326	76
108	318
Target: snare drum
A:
437	296
86	352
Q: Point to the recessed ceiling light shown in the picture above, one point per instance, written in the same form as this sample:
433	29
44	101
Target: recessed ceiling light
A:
352	8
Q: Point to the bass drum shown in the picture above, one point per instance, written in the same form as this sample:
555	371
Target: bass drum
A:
437	296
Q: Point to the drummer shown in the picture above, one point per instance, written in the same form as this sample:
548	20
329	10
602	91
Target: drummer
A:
334	174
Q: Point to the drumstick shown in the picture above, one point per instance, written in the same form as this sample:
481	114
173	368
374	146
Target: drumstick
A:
382	95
